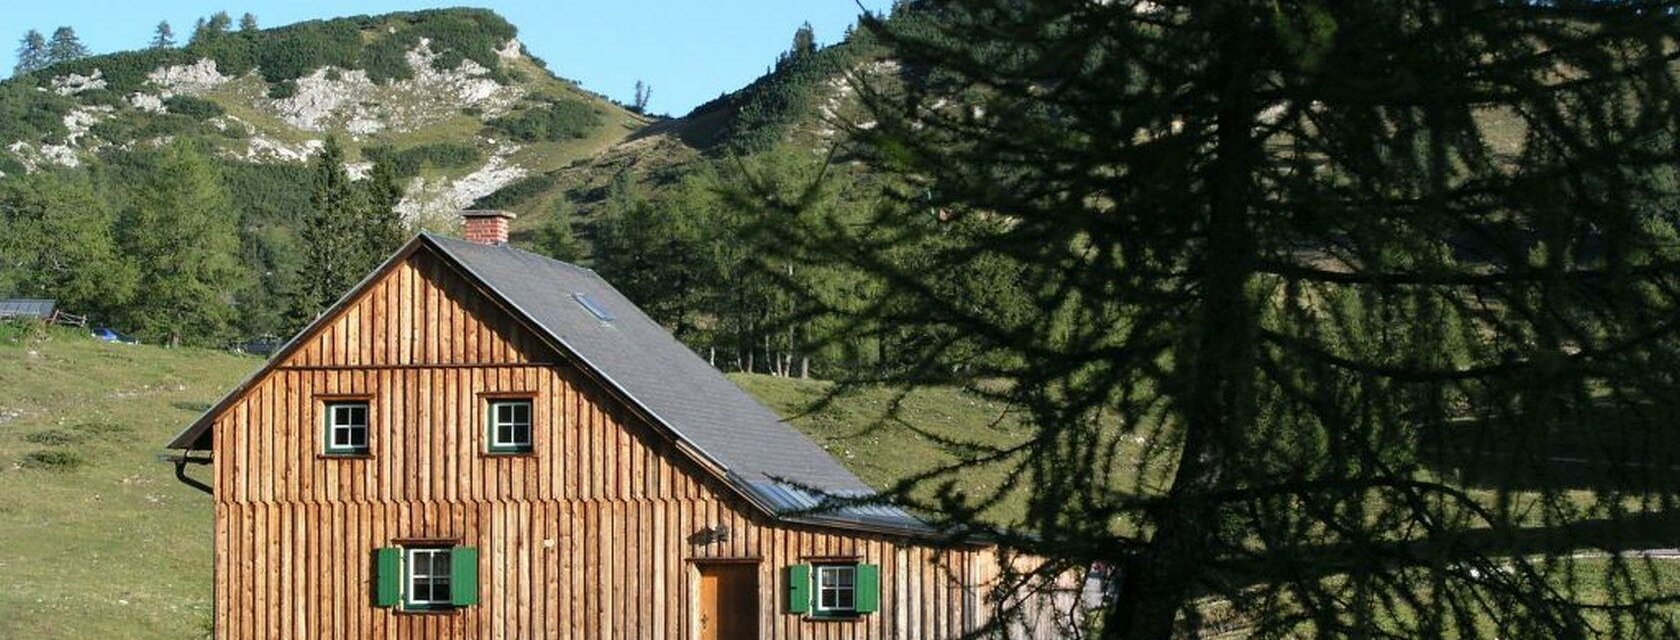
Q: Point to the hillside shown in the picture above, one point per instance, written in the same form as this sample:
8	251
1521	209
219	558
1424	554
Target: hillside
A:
450	94
464	117
100	540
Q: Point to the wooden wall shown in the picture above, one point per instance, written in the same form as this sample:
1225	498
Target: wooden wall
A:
589	537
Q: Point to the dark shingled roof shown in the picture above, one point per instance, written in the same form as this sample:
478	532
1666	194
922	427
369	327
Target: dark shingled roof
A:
765	459
672	383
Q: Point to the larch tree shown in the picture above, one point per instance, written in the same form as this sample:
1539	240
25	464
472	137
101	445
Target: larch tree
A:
555	238
65	46
1348	319
182	235
163	37
60	243
32	52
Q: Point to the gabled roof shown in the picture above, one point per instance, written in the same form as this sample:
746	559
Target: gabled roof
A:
749	447
27	308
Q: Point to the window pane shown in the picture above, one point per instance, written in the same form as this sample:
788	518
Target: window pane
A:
504	434
358	415
358	437
522	413
828	600
341	437
844	599
504	413
844	577
522	434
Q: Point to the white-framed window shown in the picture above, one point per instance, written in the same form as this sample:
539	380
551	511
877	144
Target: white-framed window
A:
836	588
347	427
510	425
426	578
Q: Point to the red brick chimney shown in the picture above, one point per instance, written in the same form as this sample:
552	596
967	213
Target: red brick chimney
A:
486	226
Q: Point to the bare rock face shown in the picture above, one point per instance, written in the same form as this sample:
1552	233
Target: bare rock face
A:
332	97
320	95
72	84
264	149
190	79
436	200
146	102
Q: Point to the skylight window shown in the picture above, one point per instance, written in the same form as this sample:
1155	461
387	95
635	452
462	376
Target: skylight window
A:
593	307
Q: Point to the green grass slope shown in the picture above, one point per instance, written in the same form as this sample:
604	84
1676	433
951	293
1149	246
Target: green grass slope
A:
99	540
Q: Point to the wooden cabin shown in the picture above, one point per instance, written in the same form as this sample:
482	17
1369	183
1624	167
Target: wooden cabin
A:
479	442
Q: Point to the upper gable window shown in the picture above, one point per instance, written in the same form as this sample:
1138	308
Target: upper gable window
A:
510	425
347	427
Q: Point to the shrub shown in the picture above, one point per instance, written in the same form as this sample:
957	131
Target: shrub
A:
283	90
30	115
124	72
16	331
552	122
53	460
101	97
55	437
195	107
517	192
408	162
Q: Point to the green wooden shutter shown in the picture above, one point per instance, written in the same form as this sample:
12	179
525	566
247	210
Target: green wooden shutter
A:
387	589
799	588
463	576
868	588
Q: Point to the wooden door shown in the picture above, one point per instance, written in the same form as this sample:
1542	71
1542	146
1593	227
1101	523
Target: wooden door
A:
729	601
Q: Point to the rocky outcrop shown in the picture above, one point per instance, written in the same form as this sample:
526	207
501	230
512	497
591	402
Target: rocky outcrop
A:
72	84
191	79
338	98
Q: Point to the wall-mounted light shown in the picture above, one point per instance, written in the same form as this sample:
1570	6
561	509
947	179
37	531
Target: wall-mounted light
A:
709	535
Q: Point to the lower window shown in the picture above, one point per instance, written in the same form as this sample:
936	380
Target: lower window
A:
836	589
426	578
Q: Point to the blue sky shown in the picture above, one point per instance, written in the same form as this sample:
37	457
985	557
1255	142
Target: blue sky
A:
689	51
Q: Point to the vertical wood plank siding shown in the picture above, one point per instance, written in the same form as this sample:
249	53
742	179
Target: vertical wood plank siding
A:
588	537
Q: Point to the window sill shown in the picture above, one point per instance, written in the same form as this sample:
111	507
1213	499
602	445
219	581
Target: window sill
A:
510	453
834	617
429	611
345	455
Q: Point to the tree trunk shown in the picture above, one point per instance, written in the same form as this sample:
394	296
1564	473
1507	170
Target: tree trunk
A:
1161	579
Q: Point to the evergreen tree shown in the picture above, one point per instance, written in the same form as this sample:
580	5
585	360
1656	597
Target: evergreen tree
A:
333	241
208	30
32	53
59	243
804	41
247	23
65	46
163	37
555	238
652	252
1306	344
383	231
182	235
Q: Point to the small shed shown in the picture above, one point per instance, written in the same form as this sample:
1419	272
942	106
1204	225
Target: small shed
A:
28	308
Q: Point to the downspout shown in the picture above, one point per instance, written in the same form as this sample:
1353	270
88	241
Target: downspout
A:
181	461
